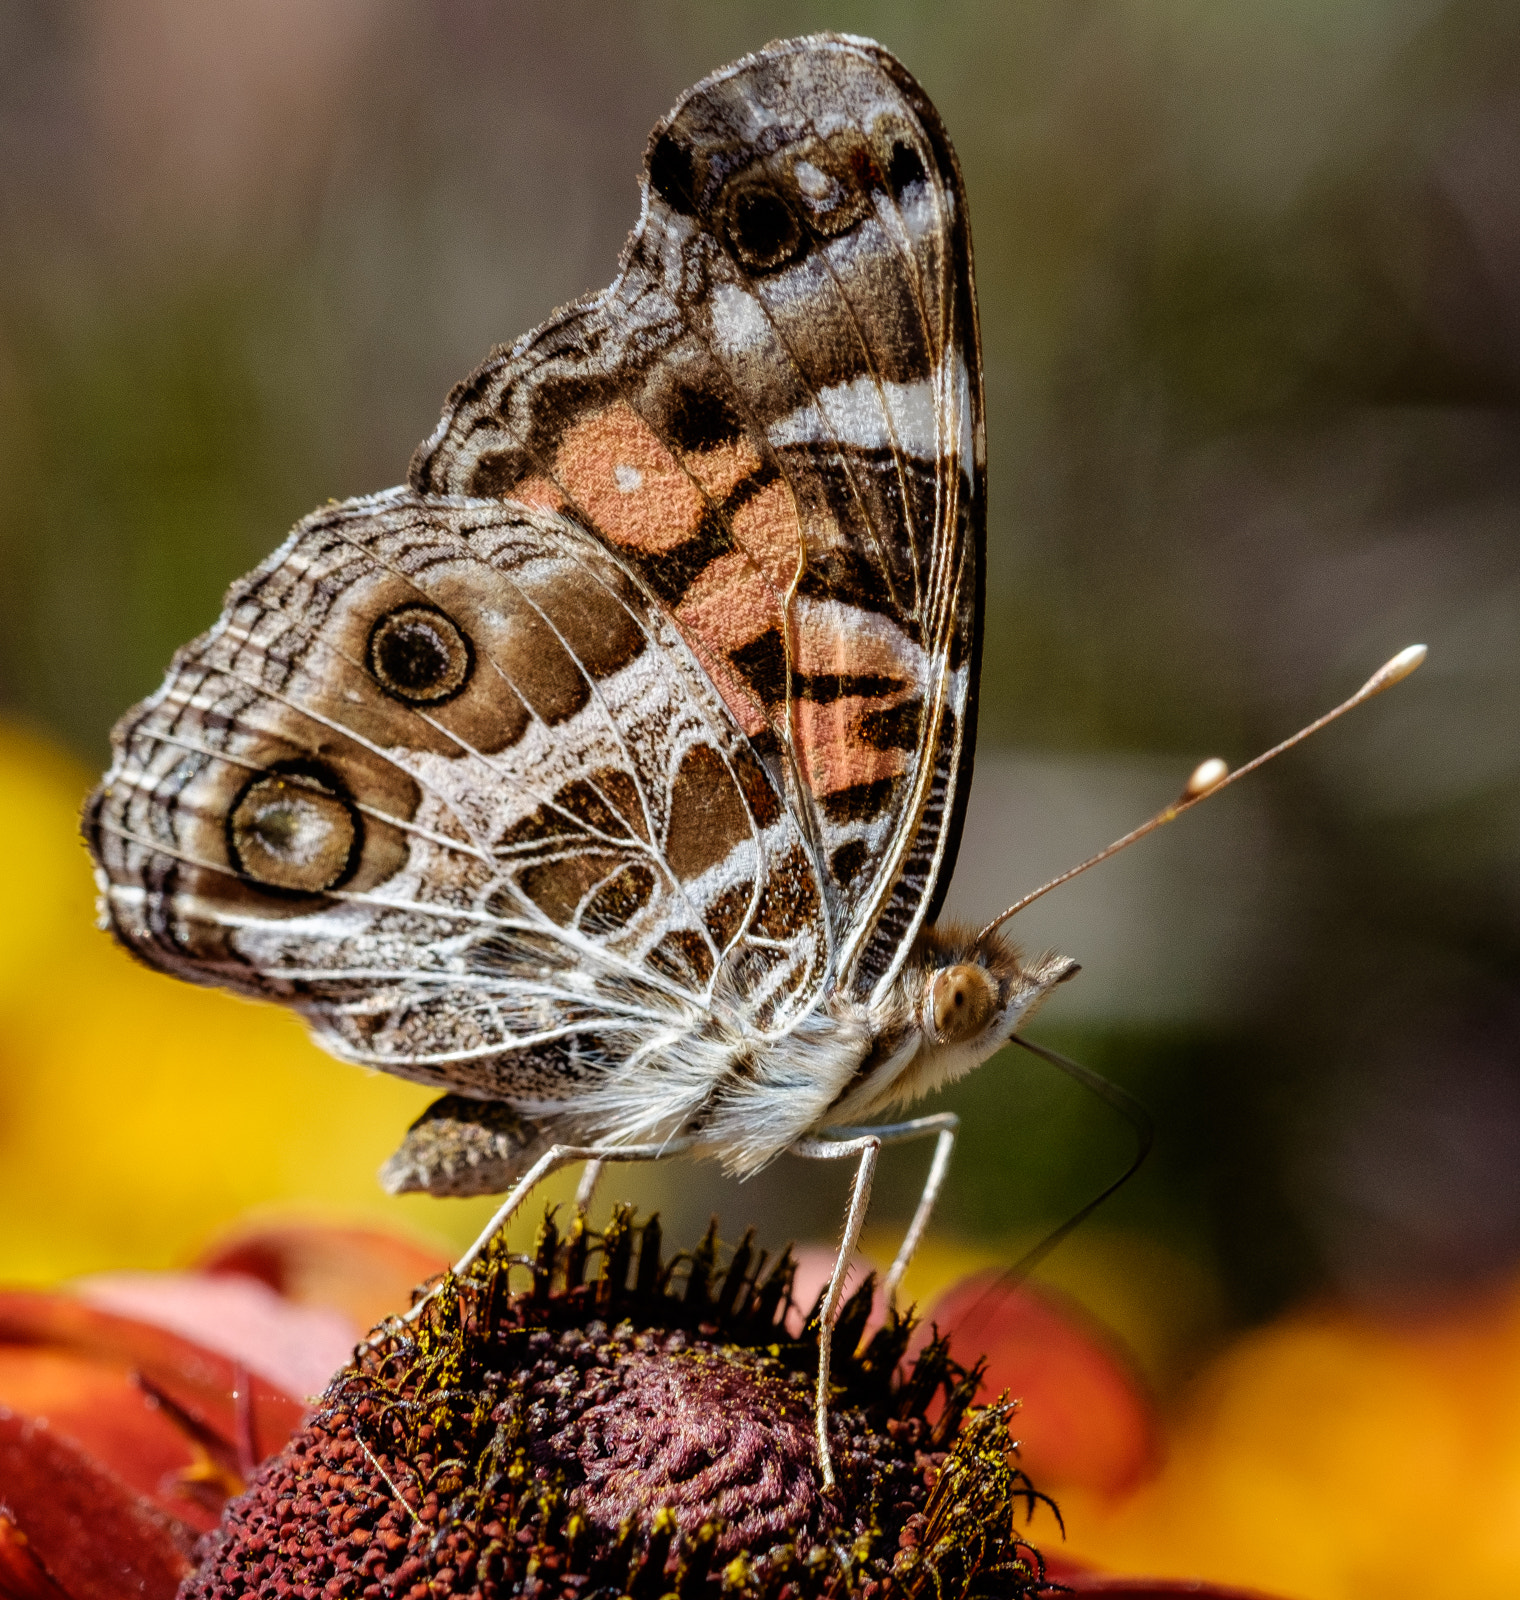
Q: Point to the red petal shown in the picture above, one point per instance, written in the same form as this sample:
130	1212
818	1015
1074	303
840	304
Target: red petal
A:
78	1529
1084	1419
22	1573
365	1273
99	1409
168	1419
295	1348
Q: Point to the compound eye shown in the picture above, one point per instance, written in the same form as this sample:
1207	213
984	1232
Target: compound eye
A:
961	1002
290	831
417	654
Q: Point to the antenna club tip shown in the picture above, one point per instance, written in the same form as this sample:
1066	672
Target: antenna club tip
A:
1205	776
1399	667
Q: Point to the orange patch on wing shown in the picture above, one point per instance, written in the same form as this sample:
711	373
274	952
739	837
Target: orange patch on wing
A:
831	753
740	596
539	491
834	638
737	597
769	531
624	478
729	604
721	470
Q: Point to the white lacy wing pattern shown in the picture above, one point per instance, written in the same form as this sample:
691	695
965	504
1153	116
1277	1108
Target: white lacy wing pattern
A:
569	885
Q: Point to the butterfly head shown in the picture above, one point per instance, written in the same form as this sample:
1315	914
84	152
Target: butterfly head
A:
974	990
959	997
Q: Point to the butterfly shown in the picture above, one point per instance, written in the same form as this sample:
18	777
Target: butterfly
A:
609	774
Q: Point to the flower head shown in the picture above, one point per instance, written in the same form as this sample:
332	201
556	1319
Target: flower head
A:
643	1429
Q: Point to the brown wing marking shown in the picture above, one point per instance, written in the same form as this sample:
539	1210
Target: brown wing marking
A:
707	819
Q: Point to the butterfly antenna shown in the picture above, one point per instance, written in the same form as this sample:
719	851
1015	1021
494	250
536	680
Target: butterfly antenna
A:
1208	778
1133	1113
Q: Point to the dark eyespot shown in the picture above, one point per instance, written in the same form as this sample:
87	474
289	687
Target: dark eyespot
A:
294	831
418	655
671	174
904	168
763	230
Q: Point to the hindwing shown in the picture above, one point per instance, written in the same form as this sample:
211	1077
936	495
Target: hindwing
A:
443	779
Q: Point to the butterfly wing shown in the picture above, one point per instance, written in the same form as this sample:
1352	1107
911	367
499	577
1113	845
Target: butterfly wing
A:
610	767
443	779
774	417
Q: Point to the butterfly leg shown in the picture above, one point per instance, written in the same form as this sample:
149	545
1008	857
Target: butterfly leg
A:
587	1186
555	1157
944	1125
865	1147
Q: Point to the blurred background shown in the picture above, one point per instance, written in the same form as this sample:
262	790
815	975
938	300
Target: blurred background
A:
1250	290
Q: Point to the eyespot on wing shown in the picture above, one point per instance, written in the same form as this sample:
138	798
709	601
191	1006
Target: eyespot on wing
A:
295	832
418	654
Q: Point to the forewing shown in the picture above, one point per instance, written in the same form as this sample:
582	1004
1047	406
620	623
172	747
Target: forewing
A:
774	417
443	779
